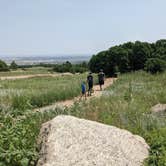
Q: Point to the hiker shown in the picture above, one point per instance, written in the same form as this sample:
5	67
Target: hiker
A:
90	83
83	89
101	78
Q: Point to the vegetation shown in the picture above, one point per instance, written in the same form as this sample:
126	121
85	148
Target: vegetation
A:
131	57
18	136
3	66
127	105
122	105
13	65
43	68
72	68
19	125
39	91
27	71
154	65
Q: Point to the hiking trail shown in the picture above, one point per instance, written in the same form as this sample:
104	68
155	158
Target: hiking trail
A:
69	103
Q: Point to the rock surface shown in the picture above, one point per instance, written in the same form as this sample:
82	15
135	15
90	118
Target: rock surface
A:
69	141
159	108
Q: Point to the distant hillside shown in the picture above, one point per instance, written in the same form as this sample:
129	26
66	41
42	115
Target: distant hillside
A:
30	60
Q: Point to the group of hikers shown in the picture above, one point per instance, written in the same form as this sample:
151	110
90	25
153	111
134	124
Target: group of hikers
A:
101	78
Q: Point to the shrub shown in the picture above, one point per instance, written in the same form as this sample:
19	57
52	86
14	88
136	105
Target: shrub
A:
13	65
3	66
155	65
19	134
72	68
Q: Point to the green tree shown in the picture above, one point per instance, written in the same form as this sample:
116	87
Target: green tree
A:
13	65
3	66
129	57
154	65
141	52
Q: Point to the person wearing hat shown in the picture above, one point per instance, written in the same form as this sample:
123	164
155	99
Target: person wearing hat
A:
90	83
101	77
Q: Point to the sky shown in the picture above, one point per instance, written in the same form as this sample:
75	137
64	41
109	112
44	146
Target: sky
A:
52	27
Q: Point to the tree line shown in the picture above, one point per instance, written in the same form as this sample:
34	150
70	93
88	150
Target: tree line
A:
72	68
127	57
131	56
5	67
64	67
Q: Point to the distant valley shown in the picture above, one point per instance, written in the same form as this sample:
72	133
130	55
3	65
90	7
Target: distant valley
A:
30	60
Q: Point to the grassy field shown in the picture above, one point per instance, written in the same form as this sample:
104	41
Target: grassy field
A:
26	71
127	104
37	92
19	125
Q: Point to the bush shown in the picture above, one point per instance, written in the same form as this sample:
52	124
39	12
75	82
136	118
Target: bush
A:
72	68
13	65
155	65
18	143
3	66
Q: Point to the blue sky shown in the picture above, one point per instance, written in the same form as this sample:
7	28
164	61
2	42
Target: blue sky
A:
40	27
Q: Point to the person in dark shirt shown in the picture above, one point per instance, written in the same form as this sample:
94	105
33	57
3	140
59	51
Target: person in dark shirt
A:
101	78
90	83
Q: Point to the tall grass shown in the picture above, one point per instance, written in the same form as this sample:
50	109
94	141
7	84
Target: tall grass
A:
127	104
26	71
19	126
38	92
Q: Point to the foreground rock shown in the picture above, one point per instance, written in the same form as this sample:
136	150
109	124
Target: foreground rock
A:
69	141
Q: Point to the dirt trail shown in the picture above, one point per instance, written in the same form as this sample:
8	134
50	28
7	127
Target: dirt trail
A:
32	76
69	103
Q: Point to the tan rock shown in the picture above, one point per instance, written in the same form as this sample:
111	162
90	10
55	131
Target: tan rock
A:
159	108
69	141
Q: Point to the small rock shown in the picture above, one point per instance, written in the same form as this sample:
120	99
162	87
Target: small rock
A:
159	108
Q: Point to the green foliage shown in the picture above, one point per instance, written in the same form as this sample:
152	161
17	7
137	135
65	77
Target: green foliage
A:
154	65
128	57
157	141
40	91
27	71
72	68
3	66
18	136
127	105
19	127
13	65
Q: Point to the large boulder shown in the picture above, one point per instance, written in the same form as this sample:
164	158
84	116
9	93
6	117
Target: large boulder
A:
69	141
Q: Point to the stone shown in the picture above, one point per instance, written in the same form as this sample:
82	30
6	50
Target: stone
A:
159	108
69	141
